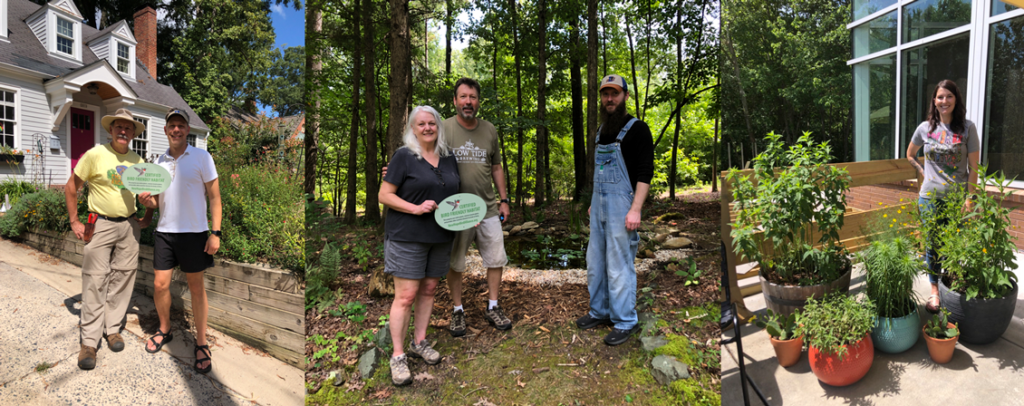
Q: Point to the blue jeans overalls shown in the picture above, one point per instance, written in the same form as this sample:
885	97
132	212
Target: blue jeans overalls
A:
611	275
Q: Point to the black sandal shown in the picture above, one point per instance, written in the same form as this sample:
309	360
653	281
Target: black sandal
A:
166	338
204	349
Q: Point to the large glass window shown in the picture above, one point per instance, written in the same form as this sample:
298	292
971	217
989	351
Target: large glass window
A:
923	68
65	36
7	118
122	57
923	18
141	142
999	7
191	139
874	108
864	8
874	36
1004	96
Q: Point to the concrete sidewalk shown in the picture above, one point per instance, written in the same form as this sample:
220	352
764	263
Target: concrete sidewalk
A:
990	374
39	298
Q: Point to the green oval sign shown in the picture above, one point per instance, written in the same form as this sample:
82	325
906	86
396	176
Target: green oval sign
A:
460	211
145	177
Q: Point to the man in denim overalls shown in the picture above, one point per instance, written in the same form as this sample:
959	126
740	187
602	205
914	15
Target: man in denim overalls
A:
623	168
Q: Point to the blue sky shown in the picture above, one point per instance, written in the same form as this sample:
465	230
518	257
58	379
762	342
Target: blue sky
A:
289	30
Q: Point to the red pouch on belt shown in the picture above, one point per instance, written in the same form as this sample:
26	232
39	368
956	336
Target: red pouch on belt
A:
90	227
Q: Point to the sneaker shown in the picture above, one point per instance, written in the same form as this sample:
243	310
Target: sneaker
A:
115	342
400	374
586	322
617	336
423	350
87	358
458	324
496	318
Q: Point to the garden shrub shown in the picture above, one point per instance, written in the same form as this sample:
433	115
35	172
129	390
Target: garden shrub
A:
45	210
14	189
263	215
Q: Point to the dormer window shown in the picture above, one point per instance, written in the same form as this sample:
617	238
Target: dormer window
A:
65	36
123	60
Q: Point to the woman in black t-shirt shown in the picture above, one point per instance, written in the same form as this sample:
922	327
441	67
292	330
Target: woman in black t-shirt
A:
416	249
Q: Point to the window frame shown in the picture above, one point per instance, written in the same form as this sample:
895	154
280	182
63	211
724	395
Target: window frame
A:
15	103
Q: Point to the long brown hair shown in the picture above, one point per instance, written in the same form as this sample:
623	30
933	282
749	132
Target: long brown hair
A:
959	122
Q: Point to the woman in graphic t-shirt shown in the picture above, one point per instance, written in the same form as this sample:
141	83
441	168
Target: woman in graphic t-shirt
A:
951	151
416	249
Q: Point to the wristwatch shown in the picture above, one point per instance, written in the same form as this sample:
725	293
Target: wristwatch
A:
506	201
215	232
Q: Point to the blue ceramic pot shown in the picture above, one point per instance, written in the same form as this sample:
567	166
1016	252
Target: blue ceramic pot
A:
895	335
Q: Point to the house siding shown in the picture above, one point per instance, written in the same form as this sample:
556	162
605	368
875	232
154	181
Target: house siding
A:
102	49
38	27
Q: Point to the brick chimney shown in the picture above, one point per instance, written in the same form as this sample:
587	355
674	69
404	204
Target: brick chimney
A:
145	34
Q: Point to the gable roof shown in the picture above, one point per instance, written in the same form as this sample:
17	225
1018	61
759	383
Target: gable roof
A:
25	51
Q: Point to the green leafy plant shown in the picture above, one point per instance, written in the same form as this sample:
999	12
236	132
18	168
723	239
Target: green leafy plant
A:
14	189
798	201
686	268
318	279
355	311
834	322
891	267
937	327
978	250
778	325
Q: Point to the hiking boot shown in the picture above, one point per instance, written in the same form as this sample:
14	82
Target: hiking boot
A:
617	336
400	375
586	322
496	318
87	358
458	324
115	342
423	350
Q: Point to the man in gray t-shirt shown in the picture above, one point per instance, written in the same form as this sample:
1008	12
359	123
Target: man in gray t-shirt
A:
946	159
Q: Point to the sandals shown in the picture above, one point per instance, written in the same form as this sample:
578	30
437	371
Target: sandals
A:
205	350
166	338
933	304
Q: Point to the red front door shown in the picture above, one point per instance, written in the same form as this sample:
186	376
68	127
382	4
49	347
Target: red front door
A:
82	134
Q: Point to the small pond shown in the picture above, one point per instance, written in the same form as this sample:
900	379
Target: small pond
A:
546	252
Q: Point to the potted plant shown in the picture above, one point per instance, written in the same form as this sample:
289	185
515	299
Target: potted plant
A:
840	350
891	268
788	218
940	335
781	331
979	287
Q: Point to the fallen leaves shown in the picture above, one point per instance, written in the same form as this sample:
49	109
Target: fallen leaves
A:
484	402
422	376
354	385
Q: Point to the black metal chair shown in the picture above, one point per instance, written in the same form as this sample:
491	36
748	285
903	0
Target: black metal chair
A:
737	336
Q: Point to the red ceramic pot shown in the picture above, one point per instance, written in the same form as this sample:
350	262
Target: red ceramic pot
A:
854	365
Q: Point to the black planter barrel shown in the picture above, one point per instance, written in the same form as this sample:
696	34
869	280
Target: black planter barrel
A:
785	299
981	321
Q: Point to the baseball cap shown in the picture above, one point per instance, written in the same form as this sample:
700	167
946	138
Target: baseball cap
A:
615	81
176	112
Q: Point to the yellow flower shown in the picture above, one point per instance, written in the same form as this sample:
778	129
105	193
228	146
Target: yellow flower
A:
885	215
879	203
984	251
890	225
899	211
893	220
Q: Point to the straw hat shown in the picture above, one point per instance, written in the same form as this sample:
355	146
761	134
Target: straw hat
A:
122	114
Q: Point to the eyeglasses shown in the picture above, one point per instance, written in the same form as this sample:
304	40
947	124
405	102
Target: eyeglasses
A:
437	171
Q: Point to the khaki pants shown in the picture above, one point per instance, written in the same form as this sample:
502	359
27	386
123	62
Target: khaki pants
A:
108	277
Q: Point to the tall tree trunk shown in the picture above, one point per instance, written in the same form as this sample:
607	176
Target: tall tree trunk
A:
604	44
679	88
542	78
426	44
714	160
592	82
369	81
400	84
353	145
519	102
501	134
632	63
448	39
579	143
314	25
647	83
731	54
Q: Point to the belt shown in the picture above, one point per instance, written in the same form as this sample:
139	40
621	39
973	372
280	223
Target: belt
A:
115	219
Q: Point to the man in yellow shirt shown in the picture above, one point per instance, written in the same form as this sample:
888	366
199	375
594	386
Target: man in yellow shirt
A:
111	257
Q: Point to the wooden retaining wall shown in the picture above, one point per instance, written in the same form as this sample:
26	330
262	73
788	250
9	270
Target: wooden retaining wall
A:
260	306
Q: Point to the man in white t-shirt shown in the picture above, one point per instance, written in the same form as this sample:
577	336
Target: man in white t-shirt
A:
181	237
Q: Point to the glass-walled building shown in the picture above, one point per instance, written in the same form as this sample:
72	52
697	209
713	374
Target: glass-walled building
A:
903	48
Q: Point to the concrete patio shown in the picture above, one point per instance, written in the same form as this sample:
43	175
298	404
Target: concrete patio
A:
991	374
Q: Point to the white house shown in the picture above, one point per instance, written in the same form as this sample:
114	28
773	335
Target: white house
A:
903	48
58	77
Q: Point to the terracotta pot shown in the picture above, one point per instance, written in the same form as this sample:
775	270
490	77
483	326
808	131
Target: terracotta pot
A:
941	350
854	365
788	351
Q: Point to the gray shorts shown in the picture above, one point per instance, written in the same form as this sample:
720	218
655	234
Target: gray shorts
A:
416	260
490	240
